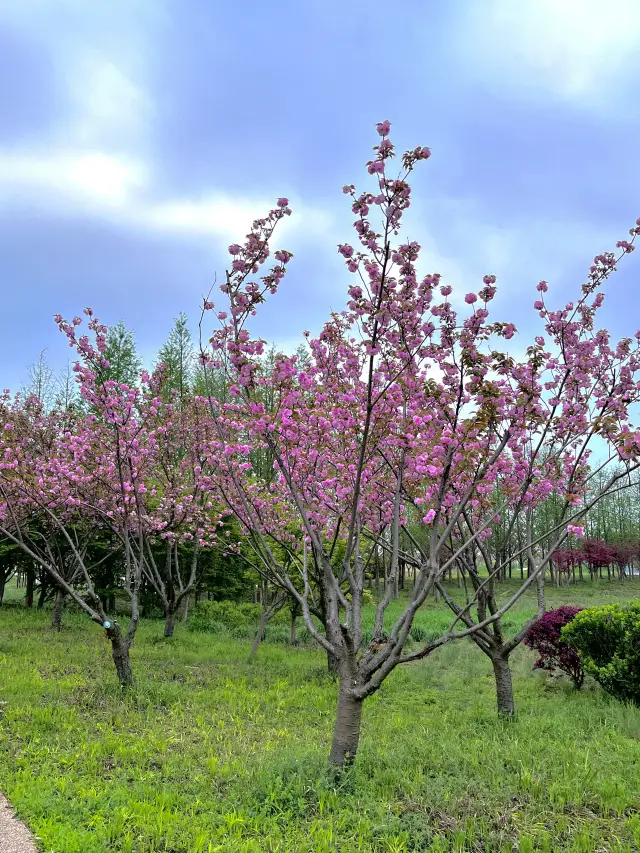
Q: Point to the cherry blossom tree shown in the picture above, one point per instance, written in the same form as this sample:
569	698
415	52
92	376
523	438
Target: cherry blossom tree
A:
79	474
406	404
180	514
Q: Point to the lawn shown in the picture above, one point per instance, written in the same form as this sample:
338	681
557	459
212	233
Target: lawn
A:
212	753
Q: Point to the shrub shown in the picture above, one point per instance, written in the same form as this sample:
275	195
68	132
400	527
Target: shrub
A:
608	641
209	616
545	637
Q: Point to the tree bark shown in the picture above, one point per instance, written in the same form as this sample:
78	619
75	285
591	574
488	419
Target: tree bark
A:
44	588
504	687
120	654
264	618
169	623
31	580
185	608
58	606
346	733
332	664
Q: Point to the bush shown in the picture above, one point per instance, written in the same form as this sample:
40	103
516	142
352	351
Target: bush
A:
546	638
211	616
608	641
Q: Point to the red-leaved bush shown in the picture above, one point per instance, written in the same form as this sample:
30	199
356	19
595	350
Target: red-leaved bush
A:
544	638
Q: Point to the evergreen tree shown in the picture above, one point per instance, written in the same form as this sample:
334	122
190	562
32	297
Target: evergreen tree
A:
178	357
124	363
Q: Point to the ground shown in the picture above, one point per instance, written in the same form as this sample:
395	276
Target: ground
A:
212	753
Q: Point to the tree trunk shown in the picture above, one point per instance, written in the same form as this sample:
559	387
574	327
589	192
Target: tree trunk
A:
31	579
169	622
44	588
540	593
264	618
504	687
346	733
120	654
58	606
185	608
332	665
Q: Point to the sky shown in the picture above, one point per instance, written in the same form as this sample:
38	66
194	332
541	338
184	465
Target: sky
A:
138	138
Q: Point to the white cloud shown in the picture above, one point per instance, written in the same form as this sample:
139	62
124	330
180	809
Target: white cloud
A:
99	57
117	189
231	217
109	106
572	49
68	179
99	162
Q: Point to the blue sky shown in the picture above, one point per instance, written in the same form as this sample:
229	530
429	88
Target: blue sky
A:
140	137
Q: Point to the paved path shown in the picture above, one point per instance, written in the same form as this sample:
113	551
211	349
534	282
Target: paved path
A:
14	836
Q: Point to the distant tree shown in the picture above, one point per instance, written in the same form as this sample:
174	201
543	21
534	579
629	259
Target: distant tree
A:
41	383
178	359
121	353
66	390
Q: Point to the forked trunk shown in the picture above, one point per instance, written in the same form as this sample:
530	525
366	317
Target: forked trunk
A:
58	607
346	733
504	687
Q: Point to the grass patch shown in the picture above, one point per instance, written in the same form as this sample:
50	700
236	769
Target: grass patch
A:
211	753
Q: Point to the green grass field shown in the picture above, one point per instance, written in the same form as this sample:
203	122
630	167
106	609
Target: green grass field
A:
211	753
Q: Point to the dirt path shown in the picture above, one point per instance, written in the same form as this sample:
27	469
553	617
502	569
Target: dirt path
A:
14	836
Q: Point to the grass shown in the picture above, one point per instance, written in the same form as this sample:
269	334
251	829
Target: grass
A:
211	753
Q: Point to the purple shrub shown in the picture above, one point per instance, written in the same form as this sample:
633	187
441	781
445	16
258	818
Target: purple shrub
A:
544	638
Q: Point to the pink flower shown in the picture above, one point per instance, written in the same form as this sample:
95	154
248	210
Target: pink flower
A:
383	128
283	202
538	305
428	518
446	290
470	298
577	530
